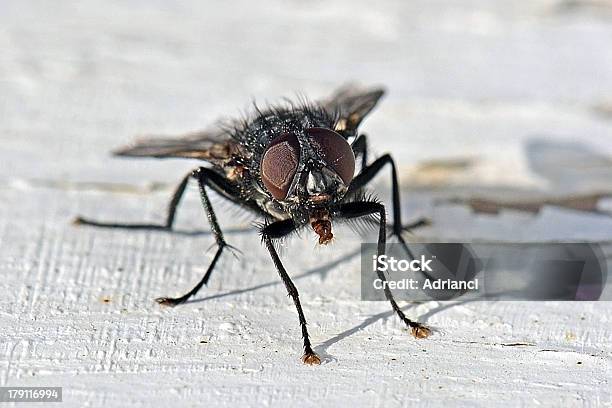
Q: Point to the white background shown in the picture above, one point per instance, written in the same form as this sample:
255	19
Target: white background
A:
512	100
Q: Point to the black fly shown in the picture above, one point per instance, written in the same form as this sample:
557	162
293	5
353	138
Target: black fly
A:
294	167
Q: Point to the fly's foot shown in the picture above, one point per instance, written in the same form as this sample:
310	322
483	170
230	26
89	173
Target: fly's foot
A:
419	331
166	301
311	358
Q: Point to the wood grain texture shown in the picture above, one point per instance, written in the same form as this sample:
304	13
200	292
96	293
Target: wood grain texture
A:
476	83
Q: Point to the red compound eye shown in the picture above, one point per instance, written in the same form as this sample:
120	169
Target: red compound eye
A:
335	151
279	165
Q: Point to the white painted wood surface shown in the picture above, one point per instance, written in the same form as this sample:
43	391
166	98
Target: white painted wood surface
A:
482	80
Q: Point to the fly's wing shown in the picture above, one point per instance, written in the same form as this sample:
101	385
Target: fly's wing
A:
213	145
351	104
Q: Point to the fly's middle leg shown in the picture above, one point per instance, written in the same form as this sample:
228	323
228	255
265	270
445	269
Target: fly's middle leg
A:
366	175
206	178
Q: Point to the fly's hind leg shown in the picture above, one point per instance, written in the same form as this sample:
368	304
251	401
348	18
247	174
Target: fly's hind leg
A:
360	148
172	206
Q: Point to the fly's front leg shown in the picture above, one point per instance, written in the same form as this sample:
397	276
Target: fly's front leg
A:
172	206
366	208
366	175
277	230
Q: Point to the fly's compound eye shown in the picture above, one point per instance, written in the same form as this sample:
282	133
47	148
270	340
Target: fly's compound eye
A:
279	165
335	151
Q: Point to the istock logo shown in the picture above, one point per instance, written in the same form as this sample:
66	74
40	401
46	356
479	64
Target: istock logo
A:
497	271
384	263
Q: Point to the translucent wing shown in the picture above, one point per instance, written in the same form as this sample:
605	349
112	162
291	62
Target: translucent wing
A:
213	145
351	104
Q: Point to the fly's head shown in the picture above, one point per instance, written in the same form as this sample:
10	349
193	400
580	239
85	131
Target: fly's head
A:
308	172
